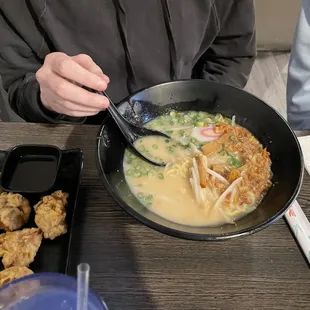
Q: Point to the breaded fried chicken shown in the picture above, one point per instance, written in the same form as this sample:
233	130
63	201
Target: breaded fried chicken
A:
51	214
14	211
13	273
19	248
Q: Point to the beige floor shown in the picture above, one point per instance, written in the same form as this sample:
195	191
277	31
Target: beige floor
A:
268	79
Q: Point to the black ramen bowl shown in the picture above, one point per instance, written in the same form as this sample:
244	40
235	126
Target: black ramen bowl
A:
200	95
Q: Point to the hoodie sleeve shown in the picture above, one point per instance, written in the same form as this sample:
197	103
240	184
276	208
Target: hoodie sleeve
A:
230	58
298	83
20	58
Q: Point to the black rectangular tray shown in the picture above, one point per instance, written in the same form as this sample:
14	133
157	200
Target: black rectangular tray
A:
53	255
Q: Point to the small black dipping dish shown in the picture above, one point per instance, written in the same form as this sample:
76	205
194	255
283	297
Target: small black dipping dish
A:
30	168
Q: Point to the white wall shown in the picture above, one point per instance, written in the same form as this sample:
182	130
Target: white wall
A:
275	22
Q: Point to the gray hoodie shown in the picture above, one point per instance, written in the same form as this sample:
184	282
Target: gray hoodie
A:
298	83
137	43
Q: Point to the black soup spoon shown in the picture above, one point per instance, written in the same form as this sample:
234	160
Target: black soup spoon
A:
131	132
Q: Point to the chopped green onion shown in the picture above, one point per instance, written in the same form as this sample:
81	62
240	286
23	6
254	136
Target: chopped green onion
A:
140	195
148	200
238	163
186	146
193	140
233	138
208	120
137	174
160	175
222	151
218	118
235	162
130	172
199	124
149	197
155	146
182	133
144	171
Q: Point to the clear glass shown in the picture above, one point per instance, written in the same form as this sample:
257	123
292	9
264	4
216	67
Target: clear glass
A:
48	291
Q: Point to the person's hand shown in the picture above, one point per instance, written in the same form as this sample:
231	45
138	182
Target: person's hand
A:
58	79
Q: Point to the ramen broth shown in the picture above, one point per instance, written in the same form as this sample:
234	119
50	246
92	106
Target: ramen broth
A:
210	176
160	149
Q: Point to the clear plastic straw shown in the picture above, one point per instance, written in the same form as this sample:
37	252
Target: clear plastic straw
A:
82	286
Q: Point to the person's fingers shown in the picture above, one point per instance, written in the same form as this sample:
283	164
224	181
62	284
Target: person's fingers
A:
73	107
59	78
66	67
70	92
87	63
66	106
63	110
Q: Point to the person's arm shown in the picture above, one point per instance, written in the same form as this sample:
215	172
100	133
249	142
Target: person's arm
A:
19	64
230	58
298	82
17	69
44	86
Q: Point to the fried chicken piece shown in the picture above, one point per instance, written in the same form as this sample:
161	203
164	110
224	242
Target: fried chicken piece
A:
51	214
19	248
13	273
14	211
